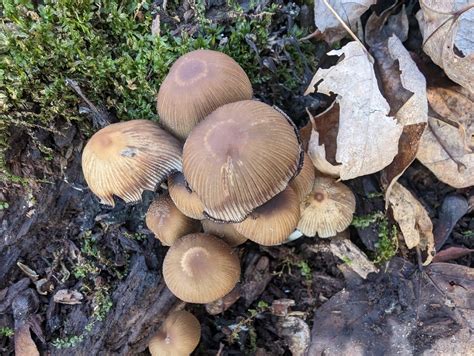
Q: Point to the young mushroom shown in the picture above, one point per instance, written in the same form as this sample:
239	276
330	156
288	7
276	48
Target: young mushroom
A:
328	209
178	336
167	222
185	200
303	182
239	157
126	158
198	83
226	232
200	268
274	221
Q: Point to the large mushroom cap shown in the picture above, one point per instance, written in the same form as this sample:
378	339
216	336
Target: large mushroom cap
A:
200	268
186	201
274	221
178	336
303	182
167	222
226	232
126	158
198	83
328	209
240	157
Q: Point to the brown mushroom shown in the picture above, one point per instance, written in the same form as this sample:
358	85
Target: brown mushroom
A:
200	268
303	182
240	157
274	221
328	209
126	158
184	199
167	222
198	83
226	232
178	336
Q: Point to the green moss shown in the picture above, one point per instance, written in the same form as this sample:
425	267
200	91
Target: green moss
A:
107	47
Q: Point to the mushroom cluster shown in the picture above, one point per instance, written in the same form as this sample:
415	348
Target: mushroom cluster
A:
235	169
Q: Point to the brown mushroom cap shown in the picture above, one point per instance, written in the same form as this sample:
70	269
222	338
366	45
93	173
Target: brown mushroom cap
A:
226	232
178	336
239	157
303	182
126	158
186	201
198	83
328	209
274	221
200	268
167	222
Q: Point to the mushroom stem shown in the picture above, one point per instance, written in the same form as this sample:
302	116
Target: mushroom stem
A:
295	235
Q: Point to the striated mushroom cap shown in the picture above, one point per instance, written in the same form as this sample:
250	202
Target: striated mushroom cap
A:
274	221
165	220
328	209
200	268
226	232
126	158
178	336
303	182
198	83
239	157
186	201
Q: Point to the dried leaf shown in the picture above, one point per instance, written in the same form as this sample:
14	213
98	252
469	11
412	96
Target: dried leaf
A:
400	311
24	344
413	220
446	146
454	208
357	260
446	27
367	140
296	333
451	253
349	10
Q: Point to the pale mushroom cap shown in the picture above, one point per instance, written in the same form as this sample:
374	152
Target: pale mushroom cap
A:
303	182
200	268
226	232
328	209
178	336
186	201
274	221
198	83
126	158
240	157
167	222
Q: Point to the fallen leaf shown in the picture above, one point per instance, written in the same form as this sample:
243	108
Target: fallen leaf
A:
296	333
367	139
350	12
446	27
454	207
451	253
413	220
24	344
446	146
399	311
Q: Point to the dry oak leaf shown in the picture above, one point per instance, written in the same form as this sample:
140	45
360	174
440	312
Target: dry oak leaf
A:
446	147
447	29
367	140
350	12
413	220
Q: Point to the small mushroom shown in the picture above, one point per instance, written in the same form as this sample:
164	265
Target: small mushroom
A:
126	158
239	157
167	222
185	200
226	232
200	268
178	336
198	83
303	182
328	209
274	221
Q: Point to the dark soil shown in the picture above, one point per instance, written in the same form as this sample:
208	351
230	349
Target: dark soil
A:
68	241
